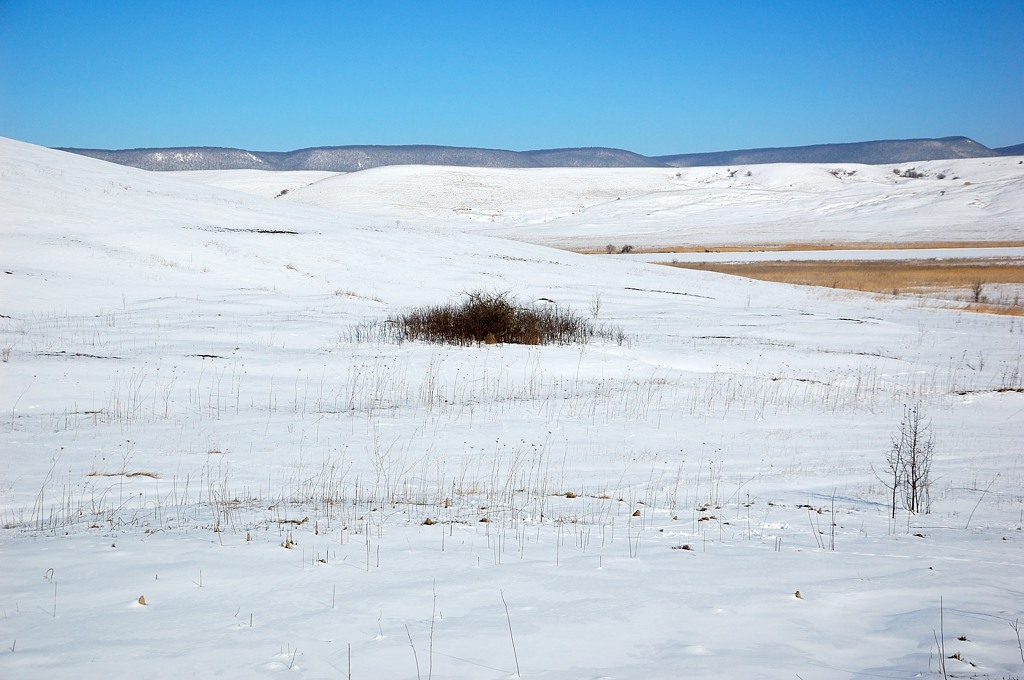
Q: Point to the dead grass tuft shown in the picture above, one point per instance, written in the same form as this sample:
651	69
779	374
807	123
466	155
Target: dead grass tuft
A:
1005	310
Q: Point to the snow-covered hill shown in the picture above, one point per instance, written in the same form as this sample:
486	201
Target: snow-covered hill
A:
961	200
213	461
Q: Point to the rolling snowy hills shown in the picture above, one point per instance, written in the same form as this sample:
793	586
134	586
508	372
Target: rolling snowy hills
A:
959	200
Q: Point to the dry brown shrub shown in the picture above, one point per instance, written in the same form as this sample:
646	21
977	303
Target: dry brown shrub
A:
493	318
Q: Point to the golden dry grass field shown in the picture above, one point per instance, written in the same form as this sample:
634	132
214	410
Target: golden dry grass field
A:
791	247
984	284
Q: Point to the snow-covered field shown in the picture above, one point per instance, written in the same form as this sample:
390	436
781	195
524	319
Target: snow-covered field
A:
213	466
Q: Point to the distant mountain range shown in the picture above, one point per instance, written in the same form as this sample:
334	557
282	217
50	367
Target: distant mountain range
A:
354	158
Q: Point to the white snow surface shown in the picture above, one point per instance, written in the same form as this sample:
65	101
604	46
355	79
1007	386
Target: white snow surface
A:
258	182
200	407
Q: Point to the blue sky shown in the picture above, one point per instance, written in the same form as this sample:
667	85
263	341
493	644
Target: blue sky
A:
653	77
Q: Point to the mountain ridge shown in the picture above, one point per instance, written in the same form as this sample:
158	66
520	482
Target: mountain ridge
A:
352	158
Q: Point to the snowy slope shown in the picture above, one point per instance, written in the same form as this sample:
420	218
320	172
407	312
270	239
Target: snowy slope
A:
975	199
198	411
256	182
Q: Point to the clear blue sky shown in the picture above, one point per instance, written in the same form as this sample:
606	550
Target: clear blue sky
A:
653	77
